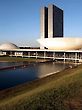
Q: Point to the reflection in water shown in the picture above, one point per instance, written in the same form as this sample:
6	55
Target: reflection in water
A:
4	64
9	78
49	68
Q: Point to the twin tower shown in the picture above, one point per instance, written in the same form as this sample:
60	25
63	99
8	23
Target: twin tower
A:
51	22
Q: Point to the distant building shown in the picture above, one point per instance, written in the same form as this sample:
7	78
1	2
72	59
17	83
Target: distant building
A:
51	22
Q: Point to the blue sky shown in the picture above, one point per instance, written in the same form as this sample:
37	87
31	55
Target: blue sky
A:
20	20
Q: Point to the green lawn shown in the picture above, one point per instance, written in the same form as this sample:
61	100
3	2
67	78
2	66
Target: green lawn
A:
19	59
62	91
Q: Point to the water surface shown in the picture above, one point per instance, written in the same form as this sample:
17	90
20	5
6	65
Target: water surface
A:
13	77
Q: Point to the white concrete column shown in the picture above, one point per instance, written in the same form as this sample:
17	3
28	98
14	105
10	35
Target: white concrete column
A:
64	57
22	54
15	54
36	55
29	54
44	54
53	55
75	57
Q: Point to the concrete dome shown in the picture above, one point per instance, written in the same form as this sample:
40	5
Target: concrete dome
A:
8	46
61	43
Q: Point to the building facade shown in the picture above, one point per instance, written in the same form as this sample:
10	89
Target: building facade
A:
51	22
43	23
55	22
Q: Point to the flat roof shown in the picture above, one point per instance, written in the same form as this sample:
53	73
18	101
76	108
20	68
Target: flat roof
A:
40	50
